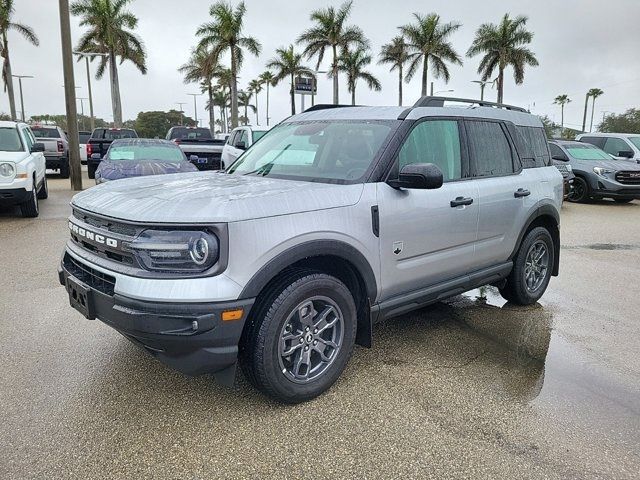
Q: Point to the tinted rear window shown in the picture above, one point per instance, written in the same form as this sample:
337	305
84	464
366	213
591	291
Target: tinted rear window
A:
535	146
190	134
44	132
113	133
83	137
490	149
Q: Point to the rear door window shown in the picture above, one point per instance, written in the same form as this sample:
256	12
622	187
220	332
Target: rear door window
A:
613	146
489	148
597	141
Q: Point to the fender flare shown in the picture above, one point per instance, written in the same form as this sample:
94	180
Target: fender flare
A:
545	210
313	248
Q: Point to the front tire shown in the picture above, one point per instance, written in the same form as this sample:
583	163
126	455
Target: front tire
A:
580	191
532	267
44	189
91	171
30	207
64	171
300	337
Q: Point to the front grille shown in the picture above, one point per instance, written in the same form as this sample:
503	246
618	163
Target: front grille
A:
110	225
97	280
563	170
628	178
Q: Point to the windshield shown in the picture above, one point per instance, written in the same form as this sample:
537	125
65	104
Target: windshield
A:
587	152
336	152
635	141
191	134
41	132
10	140
145	153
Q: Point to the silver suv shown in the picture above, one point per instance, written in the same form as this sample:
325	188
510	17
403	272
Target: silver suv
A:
335	219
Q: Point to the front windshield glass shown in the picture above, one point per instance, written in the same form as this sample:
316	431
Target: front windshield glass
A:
335	152
635	141
10	140
587	152
145	153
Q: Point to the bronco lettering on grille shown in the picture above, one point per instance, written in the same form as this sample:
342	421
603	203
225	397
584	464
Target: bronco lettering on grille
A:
93	236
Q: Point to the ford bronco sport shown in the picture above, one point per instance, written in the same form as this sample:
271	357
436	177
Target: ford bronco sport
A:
336	218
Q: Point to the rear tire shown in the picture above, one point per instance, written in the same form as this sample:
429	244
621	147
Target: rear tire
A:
91	171
312	316
580	191
64	171
532	267
44	189
30	207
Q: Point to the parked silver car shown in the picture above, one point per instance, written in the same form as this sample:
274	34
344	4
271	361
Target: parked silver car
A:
336	218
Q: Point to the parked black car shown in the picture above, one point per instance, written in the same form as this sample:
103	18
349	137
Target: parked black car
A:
137	157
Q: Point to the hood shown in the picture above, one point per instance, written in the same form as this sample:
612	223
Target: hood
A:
618	165
210	197
13	156
124	169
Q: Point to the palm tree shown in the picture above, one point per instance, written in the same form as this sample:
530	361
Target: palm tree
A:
269	79
287	63
353	63
244	100
428	42
201	68
396	54
503	45
562	100
330	31
255	86
6	13
221	100
225	33
593	93
109	24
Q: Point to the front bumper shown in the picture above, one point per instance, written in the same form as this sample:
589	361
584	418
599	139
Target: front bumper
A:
604	187
14	196
189	337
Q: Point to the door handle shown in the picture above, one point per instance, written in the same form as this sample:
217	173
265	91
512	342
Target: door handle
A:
521	192
459	201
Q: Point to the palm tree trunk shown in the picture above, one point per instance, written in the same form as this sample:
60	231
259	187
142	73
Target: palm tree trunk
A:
267	104
353	94
400	86
425	69
561	118
293	97
115	90
234	88
593	107
246	119
500	84
257	118
8	78
334	68
584	117
212	111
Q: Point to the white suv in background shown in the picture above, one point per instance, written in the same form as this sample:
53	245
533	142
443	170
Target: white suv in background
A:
621	146
22	168
239	140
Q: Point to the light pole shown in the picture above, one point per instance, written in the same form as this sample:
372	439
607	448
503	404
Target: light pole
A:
195	106
482	83
180	104
87	56
20	77
82	109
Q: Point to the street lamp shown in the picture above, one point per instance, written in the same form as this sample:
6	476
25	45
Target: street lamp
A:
82	108
482	83
180	104
195	106
20	77
87	56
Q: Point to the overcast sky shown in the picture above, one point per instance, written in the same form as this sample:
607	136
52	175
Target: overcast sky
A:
580	44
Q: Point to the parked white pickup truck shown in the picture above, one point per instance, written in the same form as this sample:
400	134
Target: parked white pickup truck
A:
22	168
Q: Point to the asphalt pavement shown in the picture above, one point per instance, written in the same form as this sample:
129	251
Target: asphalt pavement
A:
468	388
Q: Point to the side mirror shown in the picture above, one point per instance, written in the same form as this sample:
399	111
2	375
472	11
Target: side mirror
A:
241	145
625	154
95	156
37	147
418	175
561	158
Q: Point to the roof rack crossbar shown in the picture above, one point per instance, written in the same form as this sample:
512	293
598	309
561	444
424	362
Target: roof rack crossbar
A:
439	102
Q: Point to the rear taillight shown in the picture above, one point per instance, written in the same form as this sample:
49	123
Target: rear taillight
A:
60	146
176	141
88	149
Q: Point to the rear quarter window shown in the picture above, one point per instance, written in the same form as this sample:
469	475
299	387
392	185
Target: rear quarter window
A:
535	145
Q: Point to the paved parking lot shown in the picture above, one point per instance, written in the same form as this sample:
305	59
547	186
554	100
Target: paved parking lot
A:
467	388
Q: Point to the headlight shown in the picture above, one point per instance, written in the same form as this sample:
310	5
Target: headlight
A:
602	171
569	168
176	250
7	170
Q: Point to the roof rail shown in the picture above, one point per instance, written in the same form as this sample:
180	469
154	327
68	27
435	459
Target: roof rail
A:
439	102
326	106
